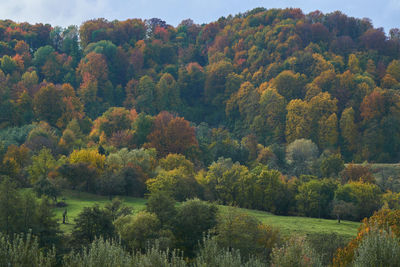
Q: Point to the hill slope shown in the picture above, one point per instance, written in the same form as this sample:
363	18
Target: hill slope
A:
287	224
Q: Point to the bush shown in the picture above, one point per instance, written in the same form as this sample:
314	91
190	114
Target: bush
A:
138	230
111	254
24	252
193	219
211	255
378	248
295	253
256	239
326	245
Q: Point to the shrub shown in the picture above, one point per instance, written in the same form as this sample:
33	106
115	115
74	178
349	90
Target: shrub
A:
378	248
24	252
295	253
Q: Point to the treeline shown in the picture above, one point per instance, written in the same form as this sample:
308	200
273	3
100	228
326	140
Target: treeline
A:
274	75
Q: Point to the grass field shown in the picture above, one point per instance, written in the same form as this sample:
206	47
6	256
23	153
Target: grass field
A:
78	200
287	224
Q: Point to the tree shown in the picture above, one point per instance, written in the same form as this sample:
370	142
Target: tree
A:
10	207
42	164
349	131
332	165
138	231
48	104
191	83
79	175
269	125
258	239
46	187
172	135
8	65
95	65
223	181
298	120
111	184
144	95
343	210
142	126
357	172
163	205
328	133
245	102
289	85
314	197
42	54
354	64
214	88
271	193
193	219
300	154
90	223
393	69
23	213
116	209
89	156
176	182
167	94
366	197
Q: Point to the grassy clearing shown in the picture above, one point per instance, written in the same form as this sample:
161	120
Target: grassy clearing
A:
77	201
287	224
305	225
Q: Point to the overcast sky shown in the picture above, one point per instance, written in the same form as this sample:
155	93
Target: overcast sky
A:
383	13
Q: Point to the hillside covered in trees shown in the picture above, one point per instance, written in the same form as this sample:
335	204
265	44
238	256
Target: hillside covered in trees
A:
269	76
272	110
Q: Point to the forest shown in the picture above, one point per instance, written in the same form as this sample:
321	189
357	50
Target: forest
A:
272	110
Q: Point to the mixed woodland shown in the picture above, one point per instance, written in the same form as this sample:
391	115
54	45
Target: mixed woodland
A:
272	110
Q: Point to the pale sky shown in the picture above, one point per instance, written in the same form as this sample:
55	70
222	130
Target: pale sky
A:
383	13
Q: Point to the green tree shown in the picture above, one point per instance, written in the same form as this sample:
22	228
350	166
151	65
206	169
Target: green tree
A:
349	131
269	126
116	208
332	165
41	165
176	182
257	239
167	94
90	223
314	197
139	230
48	104
366	197
10	207
163	205
298	120
144	95
289	84
193	219
8	65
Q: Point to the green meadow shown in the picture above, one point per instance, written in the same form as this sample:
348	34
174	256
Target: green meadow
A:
76	201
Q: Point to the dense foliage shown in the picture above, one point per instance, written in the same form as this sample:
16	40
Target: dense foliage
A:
271	110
